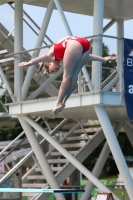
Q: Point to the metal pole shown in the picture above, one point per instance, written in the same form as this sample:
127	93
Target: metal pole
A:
111	83
67	155
115	148
13	141
31	70
87	78
46	169
109	25
7	85
12	149
100	164
45	84
22	52
18	46
3	105
10	144
97	43
120	54
122	192
58	5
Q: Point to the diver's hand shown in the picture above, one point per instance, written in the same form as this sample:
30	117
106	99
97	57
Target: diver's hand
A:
110	58
24	64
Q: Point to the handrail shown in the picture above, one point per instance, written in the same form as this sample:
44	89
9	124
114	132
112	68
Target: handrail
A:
20	135
102	35
20	52
34	49
109	78
3	158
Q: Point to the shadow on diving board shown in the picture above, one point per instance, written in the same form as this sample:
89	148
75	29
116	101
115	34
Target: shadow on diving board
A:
32	190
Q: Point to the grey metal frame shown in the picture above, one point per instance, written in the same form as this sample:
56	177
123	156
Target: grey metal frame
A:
46	169
42	33
100	163
95	85
66	154
18	45
114	147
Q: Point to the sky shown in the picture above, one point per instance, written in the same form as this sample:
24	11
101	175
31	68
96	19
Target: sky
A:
80	25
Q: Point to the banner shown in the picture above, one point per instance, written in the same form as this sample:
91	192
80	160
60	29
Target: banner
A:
128	76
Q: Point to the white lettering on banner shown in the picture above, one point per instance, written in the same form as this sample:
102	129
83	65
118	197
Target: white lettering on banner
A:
130	89
129	62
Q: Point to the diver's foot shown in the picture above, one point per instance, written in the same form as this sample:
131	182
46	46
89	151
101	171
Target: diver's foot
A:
63	104
58	108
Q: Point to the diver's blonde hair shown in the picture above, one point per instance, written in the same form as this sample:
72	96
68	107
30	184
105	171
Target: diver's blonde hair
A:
45	65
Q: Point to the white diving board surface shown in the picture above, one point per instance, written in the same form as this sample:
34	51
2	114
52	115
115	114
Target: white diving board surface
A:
32	190
78	106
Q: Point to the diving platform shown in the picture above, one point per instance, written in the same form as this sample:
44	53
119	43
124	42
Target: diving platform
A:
78	106
85	7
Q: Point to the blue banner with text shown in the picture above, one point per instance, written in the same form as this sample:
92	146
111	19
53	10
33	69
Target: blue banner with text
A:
128	76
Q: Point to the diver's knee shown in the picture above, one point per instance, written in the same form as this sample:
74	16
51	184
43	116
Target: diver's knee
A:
67	76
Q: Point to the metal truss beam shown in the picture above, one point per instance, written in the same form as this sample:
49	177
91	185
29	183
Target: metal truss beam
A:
31	70
46	169
115	148
100	163
18	46
67	155
23	160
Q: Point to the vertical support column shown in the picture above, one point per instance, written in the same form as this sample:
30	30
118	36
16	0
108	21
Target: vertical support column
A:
18	45
42	33
41	157
115	148
120	54
97	43
58	5
99	164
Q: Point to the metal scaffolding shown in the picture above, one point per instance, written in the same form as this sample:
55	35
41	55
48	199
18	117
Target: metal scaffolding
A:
98	103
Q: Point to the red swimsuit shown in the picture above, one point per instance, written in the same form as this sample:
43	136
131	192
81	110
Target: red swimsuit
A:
59	49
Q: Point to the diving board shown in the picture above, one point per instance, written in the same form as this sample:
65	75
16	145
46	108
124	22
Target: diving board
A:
32	190
78	106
